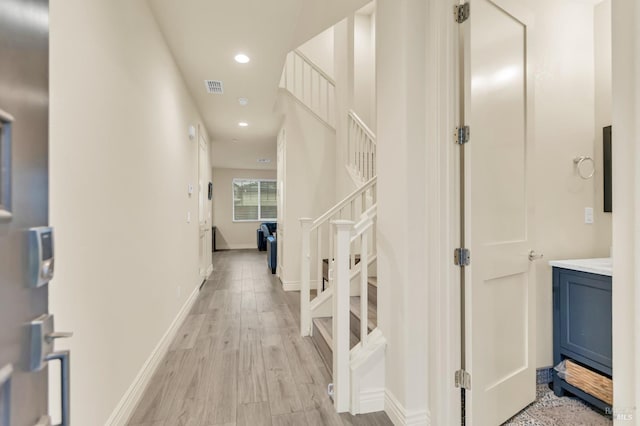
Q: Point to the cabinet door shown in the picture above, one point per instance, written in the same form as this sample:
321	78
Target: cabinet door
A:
585	317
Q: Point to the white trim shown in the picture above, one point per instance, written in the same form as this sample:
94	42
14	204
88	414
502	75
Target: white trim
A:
371	401
233	200
443	223
241	246
125	408
368	366
626	206
295	285
291	285
400	416
209	271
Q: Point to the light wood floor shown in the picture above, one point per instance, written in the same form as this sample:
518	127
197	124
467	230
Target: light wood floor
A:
239	358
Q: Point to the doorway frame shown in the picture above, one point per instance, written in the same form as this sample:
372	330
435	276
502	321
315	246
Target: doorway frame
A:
442	187
442	162
625	58
201	134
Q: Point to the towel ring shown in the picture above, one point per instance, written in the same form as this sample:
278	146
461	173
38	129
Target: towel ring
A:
578	161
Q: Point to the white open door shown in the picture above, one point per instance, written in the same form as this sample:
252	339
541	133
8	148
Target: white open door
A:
204	208
499	286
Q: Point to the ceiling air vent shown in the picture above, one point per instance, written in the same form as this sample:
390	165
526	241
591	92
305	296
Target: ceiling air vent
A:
214	86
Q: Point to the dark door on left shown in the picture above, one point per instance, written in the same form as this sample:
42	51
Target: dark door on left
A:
24	110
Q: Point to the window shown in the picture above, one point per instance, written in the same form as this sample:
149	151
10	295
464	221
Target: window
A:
254	200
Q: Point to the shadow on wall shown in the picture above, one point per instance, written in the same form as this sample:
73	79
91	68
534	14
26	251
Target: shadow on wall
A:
221	241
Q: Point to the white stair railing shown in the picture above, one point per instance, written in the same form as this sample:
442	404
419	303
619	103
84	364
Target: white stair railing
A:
318	247
350	239
361	148
310	85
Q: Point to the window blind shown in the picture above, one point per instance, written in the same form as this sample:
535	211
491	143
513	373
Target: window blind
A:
254	200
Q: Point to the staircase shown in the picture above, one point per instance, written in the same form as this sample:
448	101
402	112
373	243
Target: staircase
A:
339	256
323	326
342	318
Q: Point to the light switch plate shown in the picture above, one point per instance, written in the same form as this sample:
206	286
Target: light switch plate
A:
190	188
588	215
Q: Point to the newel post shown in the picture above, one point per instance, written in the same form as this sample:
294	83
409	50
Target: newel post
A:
305	278
341	316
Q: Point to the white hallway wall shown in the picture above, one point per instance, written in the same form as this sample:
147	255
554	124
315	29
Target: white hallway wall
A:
564	128
229	234
309	189
121	161
319	50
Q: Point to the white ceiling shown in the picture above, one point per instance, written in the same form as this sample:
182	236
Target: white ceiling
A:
205	35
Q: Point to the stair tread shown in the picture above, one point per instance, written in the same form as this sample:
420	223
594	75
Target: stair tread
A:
373	281
372	314
325	327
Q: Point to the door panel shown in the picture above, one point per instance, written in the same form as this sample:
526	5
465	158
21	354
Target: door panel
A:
24	95
204	207
500	303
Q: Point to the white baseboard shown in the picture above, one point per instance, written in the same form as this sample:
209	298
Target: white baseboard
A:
291	285
400	416
240	246
372	401
123	411
295	285
209	271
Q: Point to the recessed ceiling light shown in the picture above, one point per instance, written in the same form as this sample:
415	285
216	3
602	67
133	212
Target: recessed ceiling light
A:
241	58
264	160
243	101
243	124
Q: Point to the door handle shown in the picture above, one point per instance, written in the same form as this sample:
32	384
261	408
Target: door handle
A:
534	256
65	377
57	335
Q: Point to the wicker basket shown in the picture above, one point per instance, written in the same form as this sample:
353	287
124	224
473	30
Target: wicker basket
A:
589	381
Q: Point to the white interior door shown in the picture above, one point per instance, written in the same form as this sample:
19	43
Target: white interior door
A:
281	198
204	208
500	311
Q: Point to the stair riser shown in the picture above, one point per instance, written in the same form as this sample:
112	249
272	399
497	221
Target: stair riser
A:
372	294
354	324
323	348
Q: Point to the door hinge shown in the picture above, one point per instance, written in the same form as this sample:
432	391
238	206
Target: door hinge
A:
462	257
463	379
462	134
462	12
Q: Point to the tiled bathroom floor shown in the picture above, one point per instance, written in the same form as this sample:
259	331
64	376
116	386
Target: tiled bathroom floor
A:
550	410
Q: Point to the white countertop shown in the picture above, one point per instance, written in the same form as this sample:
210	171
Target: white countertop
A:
601	266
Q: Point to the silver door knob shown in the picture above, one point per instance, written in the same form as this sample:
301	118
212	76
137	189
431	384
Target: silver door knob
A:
57	335
533	255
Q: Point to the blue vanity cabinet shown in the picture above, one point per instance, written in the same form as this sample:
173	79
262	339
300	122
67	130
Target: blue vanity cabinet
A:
582	326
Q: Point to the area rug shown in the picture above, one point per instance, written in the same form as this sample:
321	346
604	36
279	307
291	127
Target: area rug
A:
550	410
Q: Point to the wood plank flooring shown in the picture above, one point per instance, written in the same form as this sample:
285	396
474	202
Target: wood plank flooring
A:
239	359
